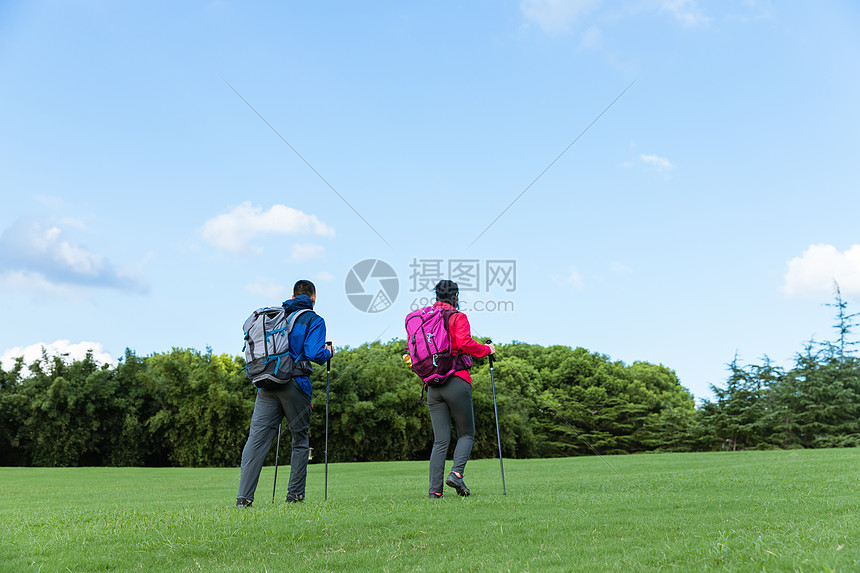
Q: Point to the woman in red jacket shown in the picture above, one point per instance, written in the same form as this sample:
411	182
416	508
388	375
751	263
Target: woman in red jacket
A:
453	399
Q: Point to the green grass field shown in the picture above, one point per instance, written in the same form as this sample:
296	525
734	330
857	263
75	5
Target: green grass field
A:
745	511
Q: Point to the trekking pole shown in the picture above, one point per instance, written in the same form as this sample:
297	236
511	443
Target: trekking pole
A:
277	451
498	433
327	385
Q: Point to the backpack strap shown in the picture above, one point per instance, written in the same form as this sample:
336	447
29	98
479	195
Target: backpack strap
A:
292	320
446	318
458	355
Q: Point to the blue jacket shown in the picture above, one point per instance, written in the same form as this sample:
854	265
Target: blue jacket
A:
307	339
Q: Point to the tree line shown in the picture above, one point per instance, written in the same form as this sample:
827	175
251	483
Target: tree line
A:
813	404
191	408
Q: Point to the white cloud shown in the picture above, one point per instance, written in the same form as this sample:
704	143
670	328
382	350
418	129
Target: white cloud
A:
555	16
812	274
323	276
234	230
76	351
559	16
303	252
661	163
685	11
572	280
28	281
591	39
265	288
620	268
755	10
39	254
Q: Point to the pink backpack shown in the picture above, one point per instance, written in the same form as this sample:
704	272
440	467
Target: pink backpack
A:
429	345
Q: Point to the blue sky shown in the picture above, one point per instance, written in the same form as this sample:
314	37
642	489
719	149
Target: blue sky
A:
705	213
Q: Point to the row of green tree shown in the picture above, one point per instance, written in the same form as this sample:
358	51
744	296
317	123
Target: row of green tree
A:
190	408
815	403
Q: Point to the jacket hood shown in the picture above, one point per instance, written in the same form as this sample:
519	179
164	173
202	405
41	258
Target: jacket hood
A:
298	303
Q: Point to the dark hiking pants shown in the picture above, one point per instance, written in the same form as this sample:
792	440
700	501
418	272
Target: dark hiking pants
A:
270	408
451	400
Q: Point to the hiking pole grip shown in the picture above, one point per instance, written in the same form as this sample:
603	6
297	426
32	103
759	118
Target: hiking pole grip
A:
490	341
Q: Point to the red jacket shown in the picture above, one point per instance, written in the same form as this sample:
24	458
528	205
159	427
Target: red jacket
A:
460	335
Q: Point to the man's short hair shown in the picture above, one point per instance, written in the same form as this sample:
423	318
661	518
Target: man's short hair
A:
304	287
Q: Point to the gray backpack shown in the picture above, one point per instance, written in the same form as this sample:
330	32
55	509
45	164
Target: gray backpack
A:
267	348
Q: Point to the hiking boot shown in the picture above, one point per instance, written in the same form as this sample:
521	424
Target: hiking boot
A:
242	502
291	498
435	495
455	480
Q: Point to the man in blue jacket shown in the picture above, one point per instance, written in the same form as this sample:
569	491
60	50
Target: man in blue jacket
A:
293	401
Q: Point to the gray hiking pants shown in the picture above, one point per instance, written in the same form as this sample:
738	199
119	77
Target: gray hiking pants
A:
451	400
270	408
